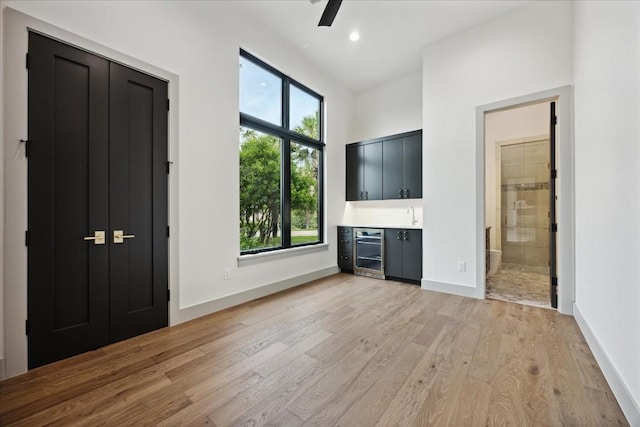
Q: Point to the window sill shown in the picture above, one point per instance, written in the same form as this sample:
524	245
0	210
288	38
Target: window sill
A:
261	257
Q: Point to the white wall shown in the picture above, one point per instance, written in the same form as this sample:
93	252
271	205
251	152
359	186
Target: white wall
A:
200	41
520	53
391	108
607	132
506	125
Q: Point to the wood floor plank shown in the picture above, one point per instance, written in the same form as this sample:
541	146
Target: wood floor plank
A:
368	410
293	374
406	406
102	397
441	403
473	404
345	350
318	394
347	395
198	412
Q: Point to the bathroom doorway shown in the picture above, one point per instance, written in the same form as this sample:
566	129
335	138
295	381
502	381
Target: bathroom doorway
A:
518	204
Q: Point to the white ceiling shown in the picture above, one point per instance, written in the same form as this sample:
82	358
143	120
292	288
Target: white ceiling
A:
392	32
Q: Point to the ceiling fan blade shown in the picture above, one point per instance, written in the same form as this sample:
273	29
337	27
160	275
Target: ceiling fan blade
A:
329	13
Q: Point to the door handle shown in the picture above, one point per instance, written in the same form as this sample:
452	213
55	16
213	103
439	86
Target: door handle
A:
119	236
98	238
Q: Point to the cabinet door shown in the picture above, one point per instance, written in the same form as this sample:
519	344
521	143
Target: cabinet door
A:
354	160
373	171
392	169
412	255
393	247
345	244
413	166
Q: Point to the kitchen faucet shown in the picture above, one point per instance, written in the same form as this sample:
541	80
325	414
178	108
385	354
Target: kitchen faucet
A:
414	221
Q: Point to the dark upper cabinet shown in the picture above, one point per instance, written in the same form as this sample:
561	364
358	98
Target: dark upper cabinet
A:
402	167
403	253
373	171
364	171
413	166
392	171
354	172
385	168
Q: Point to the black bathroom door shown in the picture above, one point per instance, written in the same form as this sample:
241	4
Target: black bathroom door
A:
97	147
553	226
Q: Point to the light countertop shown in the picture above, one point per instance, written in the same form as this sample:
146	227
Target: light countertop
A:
405	226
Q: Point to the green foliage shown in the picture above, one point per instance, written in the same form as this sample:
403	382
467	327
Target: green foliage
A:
260	186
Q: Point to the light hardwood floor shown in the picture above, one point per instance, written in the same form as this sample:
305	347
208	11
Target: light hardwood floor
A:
344	350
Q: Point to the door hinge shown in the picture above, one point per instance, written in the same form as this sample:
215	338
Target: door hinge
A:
554	121
168	231
554	173
26	238
167	104
168	294
27	328
169	167
28	64
554	284
554	228
27	146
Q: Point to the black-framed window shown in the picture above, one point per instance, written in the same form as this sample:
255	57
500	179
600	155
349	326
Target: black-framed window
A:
281	160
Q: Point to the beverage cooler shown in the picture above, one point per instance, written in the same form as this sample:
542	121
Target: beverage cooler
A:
369	252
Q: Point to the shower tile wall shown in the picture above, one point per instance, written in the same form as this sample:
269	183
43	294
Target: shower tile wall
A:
524	195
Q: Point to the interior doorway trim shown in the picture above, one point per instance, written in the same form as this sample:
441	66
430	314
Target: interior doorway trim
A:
565	189
13	359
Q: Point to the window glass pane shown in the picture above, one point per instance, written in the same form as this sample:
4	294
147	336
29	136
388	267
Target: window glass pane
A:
304	194
304	113
260	216
260	92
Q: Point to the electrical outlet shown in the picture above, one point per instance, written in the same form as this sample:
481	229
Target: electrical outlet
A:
462	266
227	274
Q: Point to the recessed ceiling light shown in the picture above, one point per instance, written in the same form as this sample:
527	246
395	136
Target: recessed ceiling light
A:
354	36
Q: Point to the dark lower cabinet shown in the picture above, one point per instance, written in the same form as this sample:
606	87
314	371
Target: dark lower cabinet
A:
345	248
403	254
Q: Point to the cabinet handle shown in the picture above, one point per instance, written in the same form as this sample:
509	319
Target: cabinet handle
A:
406	193
361	195
401	193
366	195
405	235
399	236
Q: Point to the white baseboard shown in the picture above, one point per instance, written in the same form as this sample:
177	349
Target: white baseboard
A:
628	404
199	310
449	288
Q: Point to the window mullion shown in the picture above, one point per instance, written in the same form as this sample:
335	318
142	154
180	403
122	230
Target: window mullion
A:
286	192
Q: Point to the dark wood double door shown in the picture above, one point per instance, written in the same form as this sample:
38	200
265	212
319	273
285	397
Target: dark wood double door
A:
97	203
